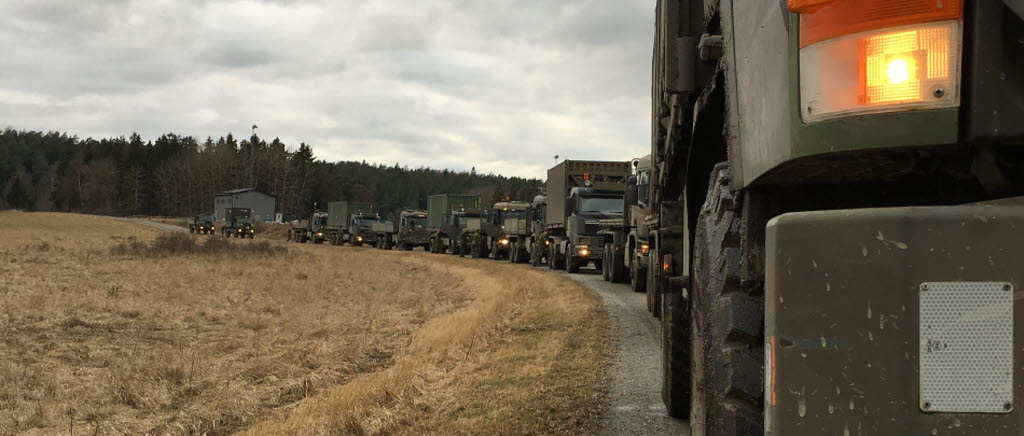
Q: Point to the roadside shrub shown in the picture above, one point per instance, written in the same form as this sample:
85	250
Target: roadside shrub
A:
179	244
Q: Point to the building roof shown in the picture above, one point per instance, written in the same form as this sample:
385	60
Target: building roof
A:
240	191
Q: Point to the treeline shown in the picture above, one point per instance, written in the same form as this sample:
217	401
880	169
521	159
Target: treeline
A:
179	175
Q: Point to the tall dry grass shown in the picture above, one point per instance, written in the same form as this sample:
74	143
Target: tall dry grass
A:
315	340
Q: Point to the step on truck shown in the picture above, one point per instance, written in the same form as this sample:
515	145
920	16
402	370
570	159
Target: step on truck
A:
835	242
238	223
410	231
201	225
447	218
580	195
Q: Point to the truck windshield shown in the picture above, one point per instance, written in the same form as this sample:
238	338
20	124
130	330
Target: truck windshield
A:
605	205
366	222
417	222
514	214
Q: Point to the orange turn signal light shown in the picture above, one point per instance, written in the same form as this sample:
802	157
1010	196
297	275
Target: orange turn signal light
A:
826	19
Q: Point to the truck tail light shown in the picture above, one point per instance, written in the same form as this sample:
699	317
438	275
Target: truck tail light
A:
870	56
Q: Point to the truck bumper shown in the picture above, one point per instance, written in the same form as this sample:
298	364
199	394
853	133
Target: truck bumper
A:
895	322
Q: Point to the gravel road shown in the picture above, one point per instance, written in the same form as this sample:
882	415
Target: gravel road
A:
156	225
635	406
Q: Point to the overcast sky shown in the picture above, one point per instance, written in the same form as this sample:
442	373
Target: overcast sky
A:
502	85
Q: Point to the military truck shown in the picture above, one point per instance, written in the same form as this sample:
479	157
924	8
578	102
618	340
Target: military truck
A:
409	232
492	235
580	194
835	243
361	228
514	220
238	223
316	229
447	218
625	244
201	224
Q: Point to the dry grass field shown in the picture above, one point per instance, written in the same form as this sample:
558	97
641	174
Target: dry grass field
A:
107	328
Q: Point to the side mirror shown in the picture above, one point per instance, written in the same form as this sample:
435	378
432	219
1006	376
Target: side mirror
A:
632	194
632	180
570	206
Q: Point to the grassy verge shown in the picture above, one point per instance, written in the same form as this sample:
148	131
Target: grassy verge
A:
108	329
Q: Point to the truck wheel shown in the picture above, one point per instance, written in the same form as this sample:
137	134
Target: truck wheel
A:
570	262
606	265
728	321
551	257
618	268
675	350
637	278
653	290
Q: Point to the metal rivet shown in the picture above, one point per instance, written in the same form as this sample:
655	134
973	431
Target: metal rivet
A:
927	405
1008	405
809	110
924	287
1007	287
939	92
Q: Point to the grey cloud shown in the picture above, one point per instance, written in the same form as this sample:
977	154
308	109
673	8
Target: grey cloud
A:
501	85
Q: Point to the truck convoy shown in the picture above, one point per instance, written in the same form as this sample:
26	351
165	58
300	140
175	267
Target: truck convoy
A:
201	224
580	195
829	223
831	220
238	223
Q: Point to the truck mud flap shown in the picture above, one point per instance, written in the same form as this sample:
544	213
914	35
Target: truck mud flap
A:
895	322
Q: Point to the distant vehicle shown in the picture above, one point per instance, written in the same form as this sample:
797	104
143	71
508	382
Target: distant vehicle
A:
410	231
537	244
625	239
447	218
580	195
360	229
332	226
201	224
238	223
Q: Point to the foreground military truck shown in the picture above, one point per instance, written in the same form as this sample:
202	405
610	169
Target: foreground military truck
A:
339	220
834	249
447	219
580	194
201	224
238	223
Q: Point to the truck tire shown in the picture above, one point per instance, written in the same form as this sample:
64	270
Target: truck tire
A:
637	278
653	290
606	265
728	321
570	262
617	272
552	263
675	351
513	253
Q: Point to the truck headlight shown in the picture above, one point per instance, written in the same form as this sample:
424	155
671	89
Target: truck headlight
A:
547	242
644	248
252	230
359	238
871	56
504	242
320	234
584	252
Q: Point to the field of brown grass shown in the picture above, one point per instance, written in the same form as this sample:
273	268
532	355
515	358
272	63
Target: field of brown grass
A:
285	339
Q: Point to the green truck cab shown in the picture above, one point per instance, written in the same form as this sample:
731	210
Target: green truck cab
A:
238	223
201	224
834	244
